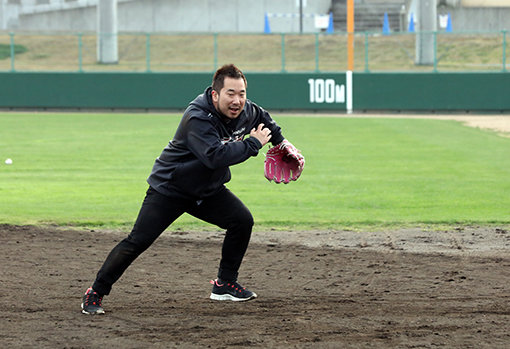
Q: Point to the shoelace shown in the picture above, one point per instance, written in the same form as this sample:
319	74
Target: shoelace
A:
237	287
94	298
234	285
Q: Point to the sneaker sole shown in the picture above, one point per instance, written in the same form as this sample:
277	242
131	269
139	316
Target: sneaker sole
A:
83	311
229	297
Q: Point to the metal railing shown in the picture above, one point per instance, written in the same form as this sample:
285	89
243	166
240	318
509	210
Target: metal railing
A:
283	52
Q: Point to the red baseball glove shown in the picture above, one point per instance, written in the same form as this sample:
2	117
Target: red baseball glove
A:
283	163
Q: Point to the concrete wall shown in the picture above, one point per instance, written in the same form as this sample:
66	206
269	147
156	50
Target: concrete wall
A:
485	3
220	15
479	19
180	16
466	17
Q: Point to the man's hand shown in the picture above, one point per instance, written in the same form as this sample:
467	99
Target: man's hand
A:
262	134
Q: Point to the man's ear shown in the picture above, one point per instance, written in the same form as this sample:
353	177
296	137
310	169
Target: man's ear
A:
215	96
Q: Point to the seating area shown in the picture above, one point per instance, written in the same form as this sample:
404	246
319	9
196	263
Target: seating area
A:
369	15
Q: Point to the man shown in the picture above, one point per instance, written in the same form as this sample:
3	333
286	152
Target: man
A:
189	177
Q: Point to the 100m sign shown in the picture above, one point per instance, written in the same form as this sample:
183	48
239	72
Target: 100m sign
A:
326	91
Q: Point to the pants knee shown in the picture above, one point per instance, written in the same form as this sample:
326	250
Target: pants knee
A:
245	220
241	222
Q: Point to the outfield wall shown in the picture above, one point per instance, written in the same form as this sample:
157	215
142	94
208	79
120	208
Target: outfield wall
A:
275	91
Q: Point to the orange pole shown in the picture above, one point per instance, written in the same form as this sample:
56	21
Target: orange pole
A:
350	35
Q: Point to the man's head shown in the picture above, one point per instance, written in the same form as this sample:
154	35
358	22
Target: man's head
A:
229	91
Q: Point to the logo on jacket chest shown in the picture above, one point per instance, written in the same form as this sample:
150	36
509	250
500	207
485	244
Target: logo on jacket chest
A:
237	136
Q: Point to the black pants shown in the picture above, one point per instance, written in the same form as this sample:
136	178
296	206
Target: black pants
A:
159	211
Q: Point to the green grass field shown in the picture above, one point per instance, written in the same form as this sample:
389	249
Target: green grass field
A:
89	170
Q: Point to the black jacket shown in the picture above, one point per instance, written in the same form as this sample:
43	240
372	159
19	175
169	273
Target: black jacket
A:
195	164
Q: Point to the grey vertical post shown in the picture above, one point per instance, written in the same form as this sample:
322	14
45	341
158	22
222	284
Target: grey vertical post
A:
301	16
3	15
426	25
80	53
148	52
215	43
11	35
283	52
107	47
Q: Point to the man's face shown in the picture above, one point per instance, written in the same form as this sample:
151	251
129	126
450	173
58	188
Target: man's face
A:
231	99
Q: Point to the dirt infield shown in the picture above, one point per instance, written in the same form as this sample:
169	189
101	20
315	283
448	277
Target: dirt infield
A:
335	289
498	123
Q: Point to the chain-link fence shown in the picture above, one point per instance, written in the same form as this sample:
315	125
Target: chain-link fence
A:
317	52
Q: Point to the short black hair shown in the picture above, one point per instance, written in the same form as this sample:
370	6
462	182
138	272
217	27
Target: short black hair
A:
228	70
